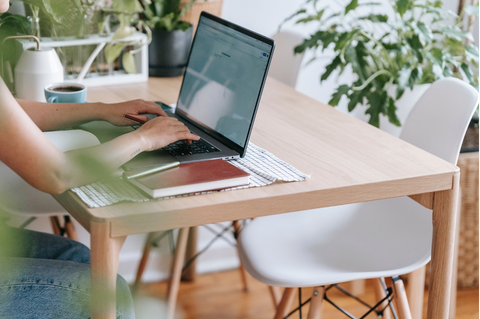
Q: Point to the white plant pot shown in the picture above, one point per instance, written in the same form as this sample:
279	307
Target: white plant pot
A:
404	106
34	71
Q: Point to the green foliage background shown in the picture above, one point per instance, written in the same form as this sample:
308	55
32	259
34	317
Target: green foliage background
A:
416	45
166	14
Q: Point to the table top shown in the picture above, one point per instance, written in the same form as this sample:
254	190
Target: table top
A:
348	160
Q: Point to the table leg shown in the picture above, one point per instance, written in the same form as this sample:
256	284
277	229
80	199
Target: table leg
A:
445	210
453	294
190	272
104	265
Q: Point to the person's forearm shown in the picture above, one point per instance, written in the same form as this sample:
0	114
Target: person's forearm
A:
57	116
91	164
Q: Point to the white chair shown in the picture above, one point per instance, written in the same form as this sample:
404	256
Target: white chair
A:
320	247
285	63
20	199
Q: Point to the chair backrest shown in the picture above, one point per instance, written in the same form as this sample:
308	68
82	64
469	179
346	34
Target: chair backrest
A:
439	120
285	63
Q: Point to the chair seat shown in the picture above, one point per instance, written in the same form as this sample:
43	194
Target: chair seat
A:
17	197
337	244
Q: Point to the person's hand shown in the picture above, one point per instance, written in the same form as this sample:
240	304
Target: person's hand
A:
114	112
161	131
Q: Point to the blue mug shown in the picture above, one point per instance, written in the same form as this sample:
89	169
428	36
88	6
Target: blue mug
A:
65	92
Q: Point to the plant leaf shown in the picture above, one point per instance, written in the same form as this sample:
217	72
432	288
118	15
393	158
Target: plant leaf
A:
351	6
341	90
402	6
456	33
128	62
357	97
112	51
381	18
316	17
424	32
301	11
378	104
471	10
467	73
330	68
356	56
472	52
392	115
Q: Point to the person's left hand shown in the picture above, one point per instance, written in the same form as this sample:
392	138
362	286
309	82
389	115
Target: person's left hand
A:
114	112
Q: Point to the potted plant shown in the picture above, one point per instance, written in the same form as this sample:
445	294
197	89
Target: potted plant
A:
10	25
171	37
414	45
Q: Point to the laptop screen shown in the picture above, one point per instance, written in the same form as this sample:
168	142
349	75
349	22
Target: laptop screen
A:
224	78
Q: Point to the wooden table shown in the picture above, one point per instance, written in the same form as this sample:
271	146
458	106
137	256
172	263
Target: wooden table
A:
349	161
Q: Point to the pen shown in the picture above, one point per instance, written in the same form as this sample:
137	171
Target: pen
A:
130	175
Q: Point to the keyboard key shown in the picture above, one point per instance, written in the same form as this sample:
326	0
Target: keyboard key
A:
181	148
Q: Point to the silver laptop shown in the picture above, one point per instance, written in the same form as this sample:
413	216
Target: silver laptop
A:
220	93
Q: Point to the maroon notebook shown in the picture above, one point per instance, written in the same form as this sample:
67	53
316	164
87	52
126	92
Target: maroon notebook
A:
192	178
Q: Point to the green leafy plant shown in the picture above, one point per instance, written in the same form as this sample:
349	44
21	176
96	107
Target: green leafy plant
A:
125	10
13	24
415	45
60	12
166	14
10	25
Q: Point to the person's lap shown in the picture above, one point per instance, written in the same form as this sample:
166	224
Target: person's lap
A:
48	276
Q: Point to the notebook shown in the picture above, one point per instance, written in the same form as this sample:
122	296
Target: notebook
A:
220	93
192	178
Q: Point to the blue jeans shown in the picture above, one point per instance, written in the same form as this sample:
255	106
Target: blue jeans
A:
48	276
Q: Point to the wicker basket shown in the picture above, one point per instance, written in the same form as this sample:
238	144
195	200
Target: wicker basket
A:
211	6
468	243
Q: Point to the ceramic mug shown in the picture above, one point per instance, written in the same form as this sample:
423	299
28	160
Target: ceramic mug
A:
65	92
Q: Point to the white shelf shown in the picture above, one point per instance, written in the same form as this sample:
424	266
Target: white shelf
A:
72	41
94	79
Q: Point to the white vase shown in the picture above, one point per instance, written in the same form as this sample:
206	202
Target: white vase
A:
404	105
35	70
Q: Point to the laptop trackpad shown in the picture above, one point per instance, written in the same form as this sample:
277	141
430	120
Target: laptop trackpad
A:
146	159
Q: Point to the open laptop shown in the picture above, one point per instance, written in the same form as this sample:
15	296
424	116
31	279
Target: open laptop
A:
220	93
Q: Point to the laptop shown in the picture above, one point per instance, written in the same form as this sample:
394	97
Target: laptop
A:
220	93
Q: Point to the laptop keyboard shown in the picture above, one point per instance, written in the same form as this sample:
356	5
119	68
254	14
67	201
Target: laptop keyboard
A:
181	148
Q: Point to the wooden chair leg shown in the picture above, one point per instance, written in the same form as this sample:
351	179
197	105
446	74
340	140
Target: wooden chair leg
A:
276	295
401	301
286	303
243	273
416	291
380	293
56	228
174	282
356	287
316	303
143	262
70	228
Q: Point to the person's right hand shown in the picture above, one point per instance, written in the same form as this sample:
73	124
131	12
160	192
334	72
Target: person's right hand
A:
161	131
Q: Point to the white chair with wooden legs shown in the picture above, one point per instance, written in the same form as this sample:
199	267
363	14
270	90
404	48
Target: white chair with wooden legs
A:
14	190
385	238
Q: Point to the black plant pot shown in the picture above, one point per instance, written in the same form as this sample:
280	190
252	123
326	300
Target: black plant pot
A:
168	52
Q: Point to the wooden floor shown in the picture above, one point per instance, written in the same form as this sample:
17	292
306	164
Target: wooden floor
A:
220	295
